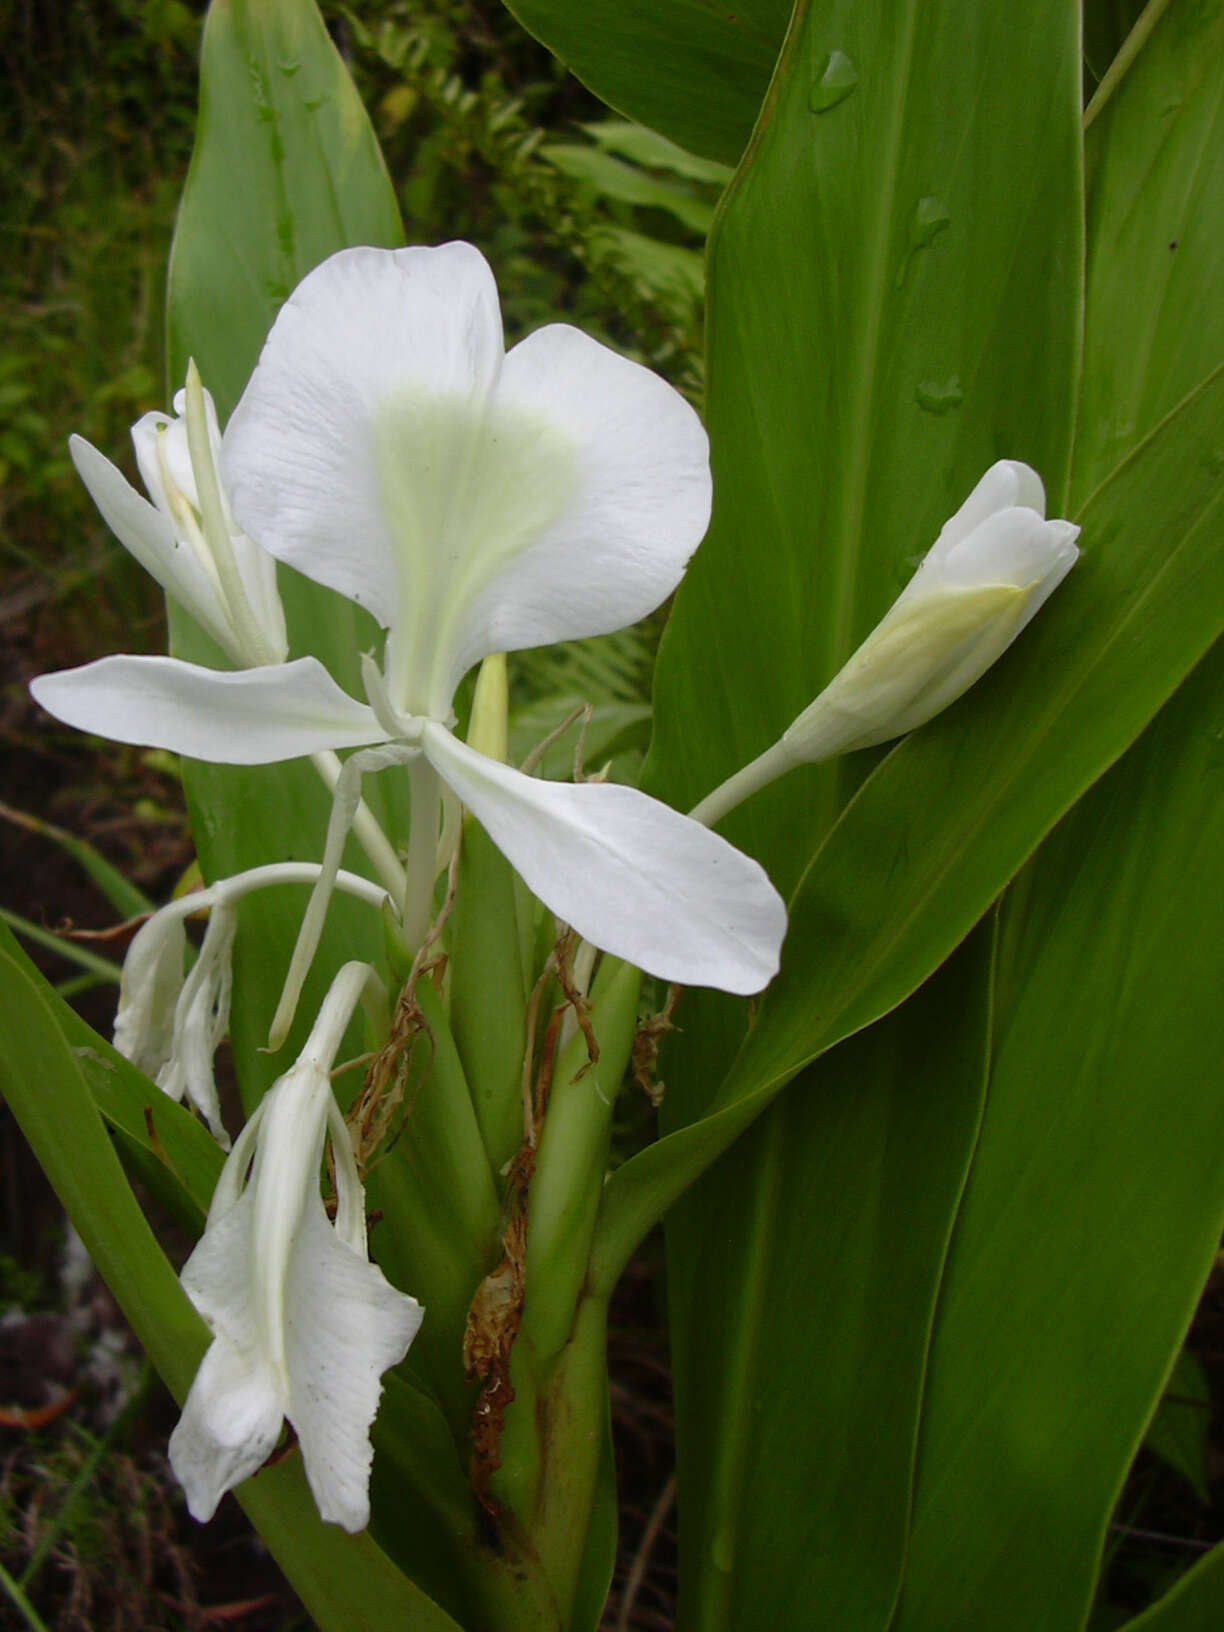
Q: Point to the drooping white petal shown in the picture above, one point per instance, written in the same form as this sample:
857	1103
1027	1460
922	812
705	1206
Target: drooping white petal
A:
630	874
201	1022
344	1325
366	333
232	1416
149	535
249	717
149	991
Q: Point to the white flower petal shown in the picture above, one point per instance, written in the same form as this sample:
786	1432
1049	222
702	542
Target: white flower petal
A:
1012	546
1006	484
363	333
638	503
232	1416
344	1325
149	989
150	536
249	717
631	875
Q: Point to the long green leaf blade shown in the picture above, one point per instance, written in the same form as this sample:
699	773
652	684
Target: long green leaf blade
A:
811	1259
1096	1200
692	71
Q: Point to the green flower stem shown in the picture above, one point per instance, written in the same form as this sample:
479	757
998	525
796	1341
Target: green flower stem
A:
763	770
572	1160
422	870
488	991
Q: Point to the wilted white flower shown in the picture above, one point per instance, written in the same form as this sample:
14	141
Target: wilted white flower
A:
171	1022
304	1325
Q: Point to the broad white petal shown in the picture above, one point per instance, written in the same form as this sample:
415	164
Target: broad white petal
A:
362	342
248	717
344	1325
630	874
609	539
149	535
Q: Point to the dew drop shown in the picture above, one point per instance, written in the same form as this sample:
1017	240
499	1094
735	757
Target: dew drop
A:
928	217
288	68
938	396
838	77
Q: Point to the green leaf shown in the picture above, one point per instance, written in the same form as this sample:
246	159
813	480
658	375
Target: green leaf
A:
830	477
692	71
285	171
122	894
654	152
1195	1604
344	1581
609	177
1179	1431
1096	1198
829	474
1107	23
950	815
808	1262
1155	155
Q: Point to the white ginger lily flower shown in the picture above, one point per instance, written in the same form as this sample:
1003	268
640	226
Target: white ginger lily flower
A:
304	1324
187	538
993	567
475	501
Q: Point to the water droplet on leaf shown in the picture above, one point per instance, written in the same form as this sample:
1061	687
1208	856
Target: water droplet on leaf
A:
838	77
928	217
938	396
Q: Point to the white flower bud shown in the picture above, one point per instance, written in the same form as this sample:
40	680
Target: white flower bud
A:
994	564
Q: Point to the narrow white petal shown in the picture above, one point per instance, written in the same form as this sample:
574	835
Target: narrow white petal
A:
149	535
365	329
609	529
148	992
248	717
630	874
344	1325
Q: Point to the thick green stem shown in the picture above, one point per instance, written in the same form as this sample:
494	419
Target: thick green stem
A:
572	1410
422	870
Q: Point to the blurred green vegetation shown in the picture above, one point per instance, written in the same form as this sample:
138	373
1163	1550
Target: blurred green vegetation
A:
584	218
